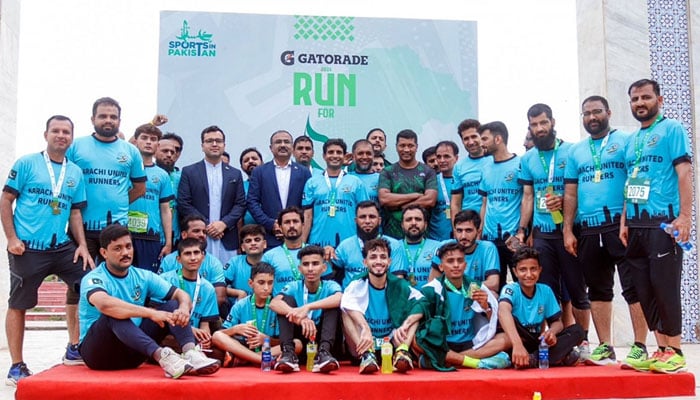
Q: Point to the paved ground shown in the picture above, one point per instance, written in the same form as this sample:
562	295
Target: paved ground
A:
44	349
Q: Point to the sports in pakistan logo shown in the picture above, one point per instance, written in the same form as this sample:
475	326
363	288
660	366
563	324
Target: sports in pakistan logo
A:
187	45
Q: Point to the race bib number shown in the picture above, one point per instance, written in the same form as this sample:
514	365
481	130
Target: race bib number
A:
138	222
637	190
541	202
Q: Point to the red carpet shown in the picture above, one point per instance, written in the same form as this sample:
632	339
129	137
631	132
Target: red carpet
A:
248	383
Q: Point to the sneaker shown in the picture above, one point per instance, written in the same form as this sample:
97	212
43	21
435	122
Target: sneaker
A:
637	358
496	361
670	363
532	362
604	354
173	365
287	362
368	363
17	371
571	359
402	361
584	351
72	356
324	362
201	364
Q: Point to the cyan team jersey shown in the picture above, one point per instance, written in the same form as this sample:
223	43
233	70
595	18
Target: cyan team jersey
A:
248	217
371	182
652	196
600	200
245	311
237	275
416	267
499	184
211	268
286	266
531	312
297	290
109	170
34	219
349	257
205	307
533	173
440	226
174	183
481	263
144	212
134	288
333	221
461	318
467	177
377	314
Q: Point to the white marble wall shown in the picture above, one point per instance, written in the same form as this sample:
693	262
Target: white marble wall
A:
694	17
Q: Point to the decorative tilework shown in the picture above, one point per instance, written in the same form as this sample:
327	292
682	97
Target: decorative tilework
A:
670	66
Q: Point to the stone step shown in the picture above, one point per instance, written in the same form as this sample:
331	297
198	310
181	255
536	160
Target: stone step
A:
45	325
46	316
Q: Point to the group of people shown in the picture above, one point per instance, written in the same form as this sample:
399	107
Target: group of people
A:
195	268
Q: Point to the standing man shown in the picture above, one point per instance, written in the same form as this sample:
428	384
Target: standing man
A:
249	159
214	190
542	177
167	153
377	137
430	159
446	153
658	189
303	150
49	192
406	182
467	172
501	193
276	185
150	220
594	178
330	199
363	155
113	171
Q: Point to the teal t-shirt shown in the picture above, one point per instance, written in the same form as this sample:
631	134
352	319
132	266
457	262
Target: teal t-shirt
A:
204	306
302	296
245	311
531	312
467	177
144	213
349	258
440	227
417	261
499	184
371	182
211	268
237	275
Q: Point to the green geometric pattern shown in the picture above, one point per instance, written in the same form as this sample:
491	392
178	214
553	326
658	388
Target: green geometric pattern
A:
324	28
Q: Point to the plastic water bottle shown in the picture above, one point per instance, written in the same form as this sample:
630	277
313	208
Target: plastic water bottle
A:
266	364
671	230
311	351
544	354
537	396
387	352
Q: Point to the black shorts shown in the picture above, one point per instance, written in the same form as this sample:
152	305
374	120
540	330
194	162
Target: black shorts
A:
29	270
598	255
561	268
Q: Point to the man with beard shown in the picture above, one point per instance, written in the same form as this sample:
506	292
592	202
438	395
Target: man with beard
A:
500	191
467	171
167	153
440	227
150	220
658	189
377	137
113	170
329	199
481	255
303	150
363	156
406	182
275	185
595	176
249	159
542	177
417	250
347	260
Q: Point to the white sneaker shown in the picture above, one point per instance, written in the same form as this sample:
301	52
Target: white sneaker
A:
584	350
173	365
201	364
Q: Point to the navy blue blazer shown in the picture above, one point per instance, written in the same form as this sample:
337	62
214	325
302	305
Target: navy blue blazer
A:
193	198
264	196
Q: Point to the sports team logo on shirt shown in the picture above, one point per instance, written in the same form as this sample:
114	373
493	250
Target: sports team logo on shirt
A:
137	294
155	180
510	176
346	189
562	164
540	309
509	291
70	182
653	141
13	174
613	148
96	281
122	158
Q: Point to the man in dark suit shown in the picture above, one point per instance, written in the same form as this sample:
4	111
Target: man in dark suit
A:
276	185
213	189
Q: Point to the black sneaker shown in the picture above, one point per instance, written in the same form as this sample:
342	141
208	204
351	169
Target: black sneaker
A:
368	363
287	362
571	359
325	362
402	361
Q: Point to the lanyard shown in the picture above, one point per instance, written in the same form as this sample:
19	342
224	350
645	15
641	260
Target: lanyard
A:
361	244
315	297
412	259
55	185
639	145
443	188
292	265
333	191
260	325
549	171
597	165
196	289
452	288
